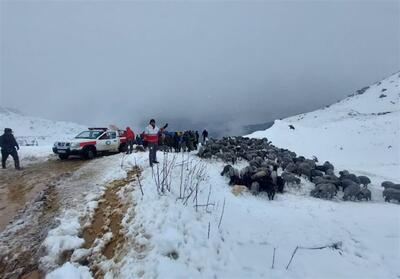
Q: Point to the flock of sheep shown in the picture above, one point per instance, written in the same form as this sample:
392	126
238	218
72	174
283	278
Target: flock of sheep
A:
265	159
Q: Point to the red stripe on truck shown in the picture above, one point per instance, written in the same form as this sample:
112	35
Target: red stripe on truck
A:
82	144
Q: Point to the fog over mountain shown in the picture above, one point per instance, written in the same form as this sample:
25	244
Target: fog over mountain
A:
195	64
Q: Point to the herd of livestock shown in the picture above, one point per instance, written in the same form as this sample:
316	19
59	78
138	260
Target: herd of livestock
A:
265	161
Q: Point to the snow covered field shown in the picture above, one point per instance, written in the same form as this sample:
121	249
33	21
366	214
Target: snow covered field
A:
175	238
29	129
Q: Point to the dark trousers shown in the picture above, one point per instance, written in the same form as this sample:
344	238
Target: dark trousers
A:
129	146
4	157
153	146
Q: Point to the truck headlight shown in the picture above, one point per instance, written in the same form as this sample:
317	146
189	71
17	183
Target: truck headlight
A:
75	145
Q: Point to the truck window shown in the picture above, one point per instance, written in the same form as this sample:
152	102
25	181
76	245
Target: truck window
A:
105	136
112	135
88	135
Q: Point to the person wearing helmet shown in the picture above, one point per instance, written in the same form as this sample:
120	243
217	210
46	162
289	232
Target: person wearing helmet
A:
9	146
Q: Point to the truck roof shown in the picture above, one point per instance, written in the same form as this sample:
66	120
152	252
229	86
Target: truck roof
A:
97	129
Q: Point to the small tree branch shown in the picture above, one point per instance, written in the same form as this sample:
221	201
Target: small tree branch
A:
273	259
294	252
222	215
208	199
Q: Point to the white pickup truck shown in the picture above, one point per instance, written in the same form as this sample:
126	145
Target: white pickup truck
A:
91	143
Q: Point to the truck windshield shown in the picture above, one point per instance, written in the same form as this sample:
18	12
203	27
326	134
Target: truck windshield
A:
89	135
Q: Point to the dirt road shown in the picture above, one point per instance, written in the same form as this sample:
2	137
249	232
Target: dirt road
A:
30	200
17	188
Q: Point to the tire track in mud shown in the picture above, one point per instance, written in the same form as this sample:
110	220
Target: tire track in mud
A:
17	188
107	219
35	204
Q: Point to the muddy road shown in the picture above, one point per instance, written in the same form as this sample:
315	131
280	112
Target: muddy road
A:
17	188
31	200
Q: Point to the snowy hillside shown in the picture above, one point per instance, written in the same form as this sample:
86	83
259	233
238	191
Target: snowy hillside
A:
30	130
360	133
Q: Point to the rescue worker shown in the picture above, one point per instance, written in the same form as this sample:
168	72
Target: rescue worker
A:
151	136
9	146
205	136
130	137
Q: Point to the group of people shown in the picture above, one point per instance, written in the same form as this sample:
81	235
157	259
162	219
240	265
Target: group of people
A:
151	138
154	137
180	141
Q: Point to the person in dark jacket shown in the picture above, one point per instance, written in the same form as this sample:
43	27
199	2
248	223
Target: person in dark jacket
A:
205	136
197	139
9	146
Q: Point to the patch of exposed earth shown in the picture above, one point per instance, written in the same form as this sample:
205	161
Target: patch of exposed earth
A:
107	219
31	200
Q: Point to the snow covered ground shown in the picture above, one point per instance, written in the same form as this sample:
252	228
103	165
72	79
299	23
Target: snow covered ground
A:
29	129
177	243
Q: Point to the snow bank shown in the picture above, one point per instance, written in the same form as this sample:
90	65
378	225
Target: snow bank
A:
34	154
171	239
69	271
64	237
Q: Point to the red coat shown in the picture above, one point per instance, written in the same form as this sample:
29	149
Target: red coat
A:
129	134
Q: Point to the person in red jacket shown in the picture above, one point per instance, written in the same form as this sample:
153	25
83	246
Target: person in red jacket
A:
151	136
130	137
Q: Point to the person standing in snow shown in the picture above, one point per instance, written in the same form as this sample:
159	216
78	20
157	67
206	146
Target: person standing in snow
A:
151	137
130	137
197	139
205	136
9	146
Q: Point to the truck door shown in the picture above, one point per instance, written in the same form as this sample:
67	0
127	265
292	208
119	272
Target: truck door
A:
104	142
114	141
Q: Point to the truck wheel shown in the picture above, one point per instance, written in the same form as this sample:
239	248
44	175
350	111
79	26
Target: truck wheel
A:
89	153
63	156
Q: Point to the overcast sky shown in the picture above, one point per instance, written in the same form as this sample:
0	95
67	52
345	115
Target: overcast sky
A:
208	62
